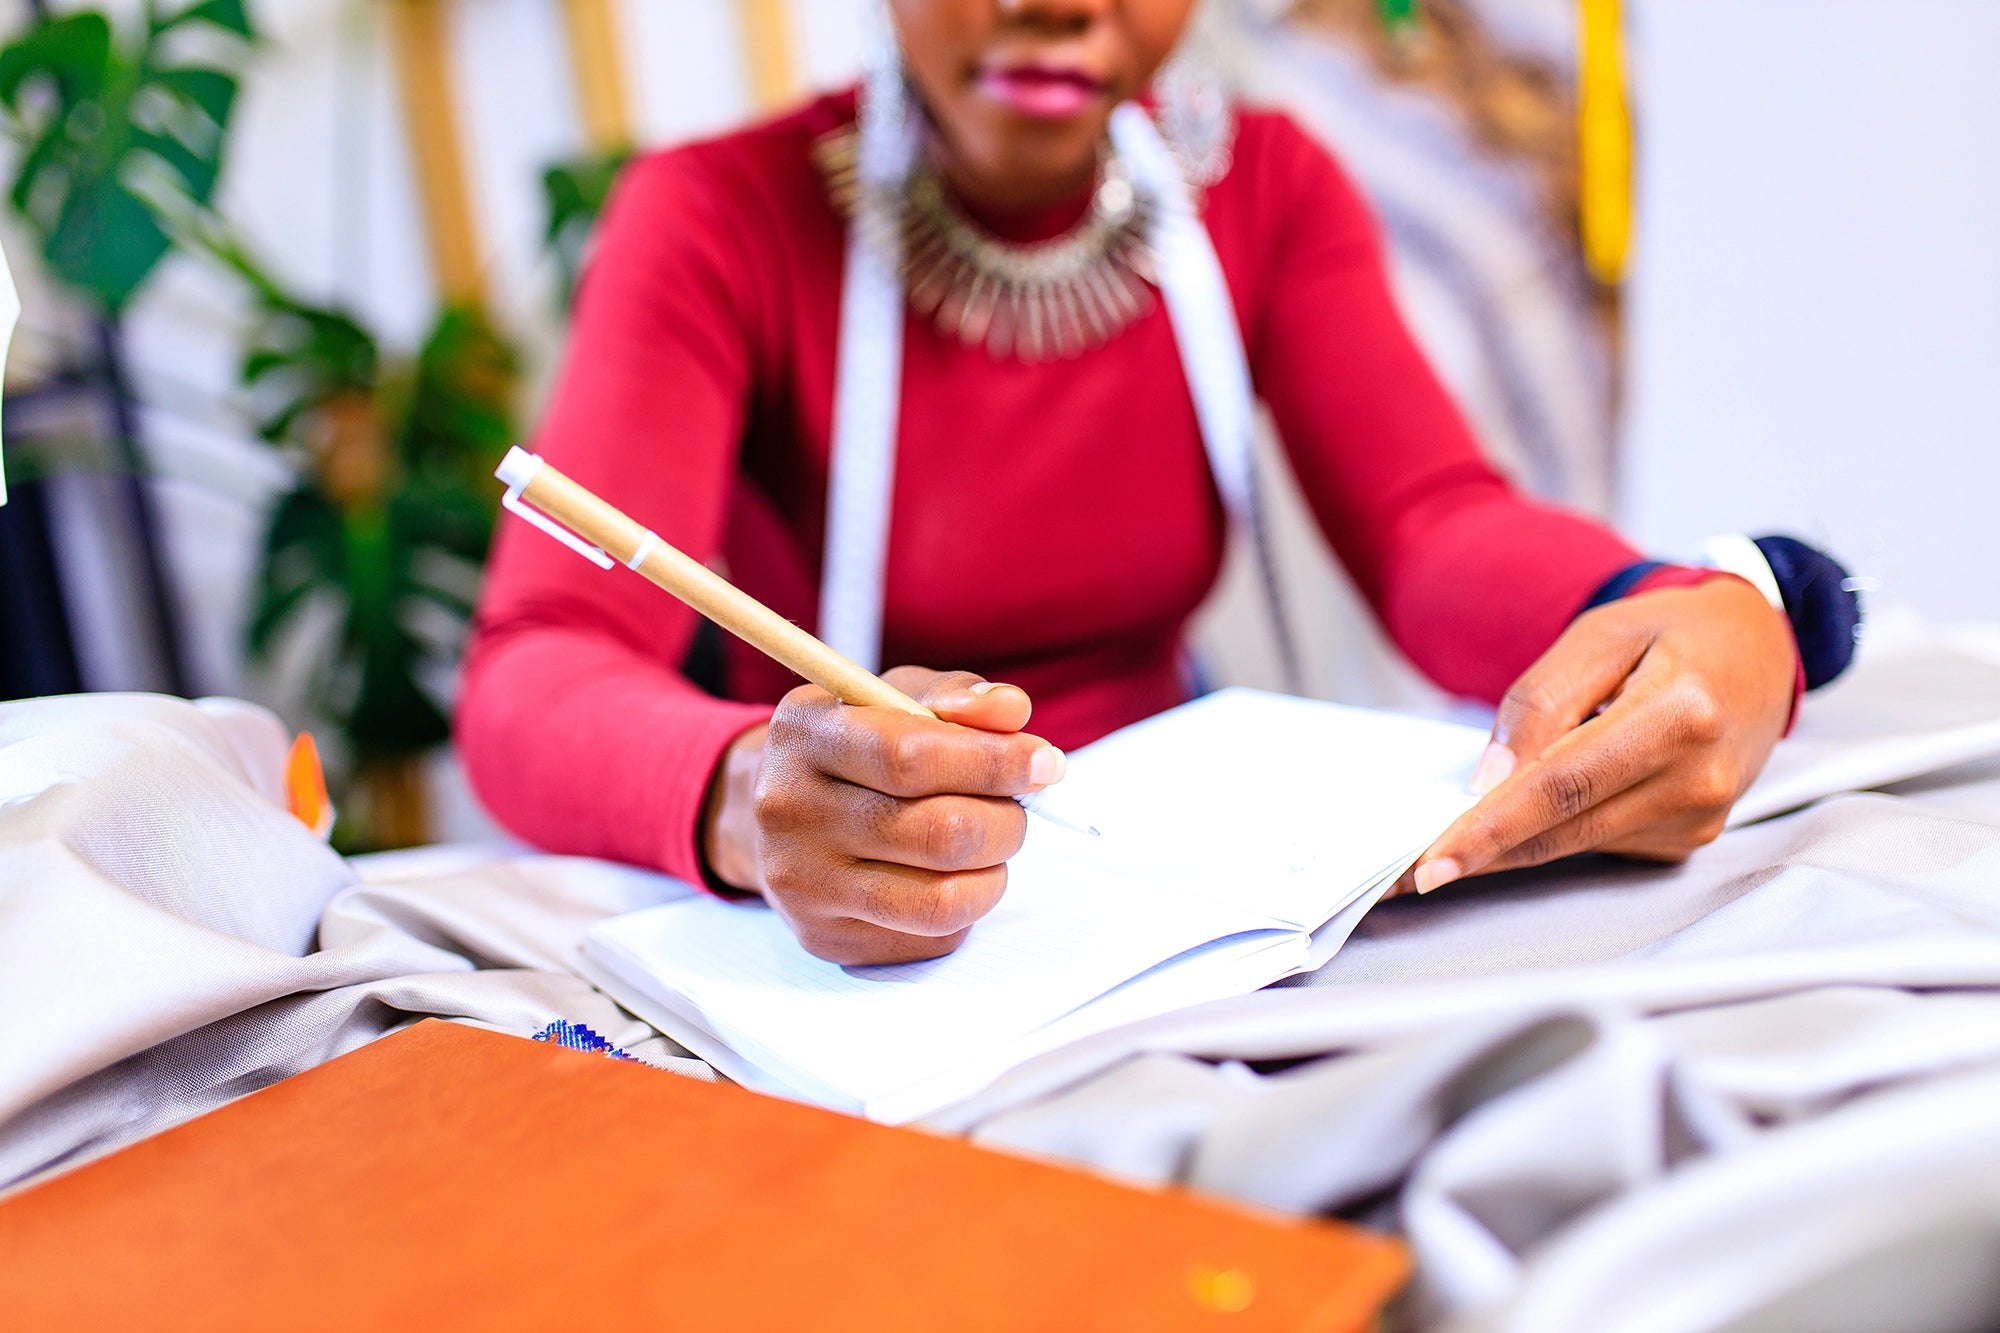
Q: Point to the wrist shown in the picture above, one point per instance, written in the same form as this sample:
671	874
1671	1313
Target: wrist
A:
729	841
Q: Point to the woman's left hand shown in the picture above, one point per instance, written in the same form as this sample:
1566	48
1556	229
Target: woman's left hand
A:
1634	734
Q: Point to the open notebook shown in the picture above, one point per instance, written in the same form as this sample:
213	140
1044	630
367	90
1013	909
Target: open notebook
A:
1245	834
1233	829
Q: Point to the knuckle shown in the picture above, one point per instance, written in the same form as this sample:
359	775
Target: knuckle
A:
952	837
1571	790
787	732
956	901
775	802
1702	718
1526	699
905	758
1484	839
941	910
768	797
1717	788
1542	848
785	874
793	716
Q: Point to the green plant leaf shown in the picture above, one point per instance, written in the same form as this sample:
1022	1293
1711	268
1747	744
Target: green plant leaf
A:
460	417
574	194
210	90
195	172
106	242
74	50
299	357
304	549
116	141
229	15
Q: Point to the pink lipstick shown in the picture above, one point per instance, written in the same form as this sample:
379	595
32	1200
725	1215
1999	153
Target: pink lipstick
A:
1046	92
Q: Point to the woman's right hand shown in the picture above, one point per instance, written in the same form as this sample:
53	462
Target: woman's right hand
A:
879	836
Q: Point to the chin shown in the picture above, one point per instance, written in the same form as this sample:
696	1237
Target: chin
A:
1018	147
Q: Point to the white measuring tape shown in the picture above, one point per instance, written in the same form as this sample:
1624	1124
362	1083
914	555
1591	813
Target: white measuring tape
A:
869	370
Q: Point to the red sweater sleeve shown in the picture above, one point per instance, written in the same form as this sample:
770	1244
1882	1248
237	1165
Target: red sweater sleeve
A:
575	731
1470	578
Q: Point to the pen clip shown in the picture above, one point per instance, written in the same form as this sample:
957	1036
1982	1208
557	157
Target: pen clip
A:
517	469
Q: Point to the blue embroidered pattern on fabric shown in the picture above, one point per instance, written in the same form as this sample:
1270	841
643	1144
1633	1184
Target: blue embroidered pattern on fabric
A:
577	1037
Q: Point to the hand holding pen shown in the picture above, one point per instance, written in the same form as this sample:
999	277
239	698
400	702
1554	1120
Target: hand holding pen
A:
878	835
876	823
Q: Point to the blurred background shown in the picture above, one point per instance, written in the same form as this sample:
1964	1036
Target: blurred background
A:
294	275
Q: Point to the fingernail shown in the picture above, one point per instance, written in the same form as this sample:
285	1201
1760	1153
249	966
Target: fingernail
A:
983	686
1047	766
1494	766
1436	874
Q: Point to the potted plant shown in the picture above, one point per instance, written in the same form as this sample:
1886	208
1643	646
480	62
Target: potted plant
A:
385	531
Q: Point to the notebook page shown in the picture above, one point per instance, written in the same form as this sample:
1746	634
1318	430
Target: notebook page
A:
1213	971
1063	935
1289	807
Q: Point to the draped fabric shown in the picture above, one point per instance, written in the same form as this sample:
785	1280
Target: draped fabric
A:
171	938
1757	1087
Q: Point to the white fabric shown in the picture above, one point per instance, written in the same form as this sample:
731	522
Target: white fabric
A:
171	938
869	371
1199	308
1915	701
1754	1091
868	384
1527	1063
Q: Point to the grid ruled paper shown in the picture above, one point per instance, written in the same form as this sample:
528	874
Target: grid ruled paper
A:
1062	935
1231	827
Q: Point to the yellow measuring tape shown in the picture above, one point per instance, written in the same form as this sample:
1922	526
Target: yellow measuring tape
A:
1604	139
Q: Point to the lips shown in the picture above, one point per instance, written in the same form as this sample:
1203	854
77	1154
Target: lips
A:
1046	92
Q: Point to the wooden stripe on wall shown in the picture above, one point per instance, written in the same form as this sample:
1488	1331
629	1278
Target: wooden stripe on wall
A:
417	34
767	49
596	54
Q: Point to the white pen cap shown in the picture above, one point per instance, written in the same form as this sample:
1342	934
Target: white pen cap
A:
518	468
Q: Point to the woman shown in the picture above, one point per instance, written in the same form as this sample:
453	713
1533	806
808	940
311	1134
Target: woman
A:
1055	518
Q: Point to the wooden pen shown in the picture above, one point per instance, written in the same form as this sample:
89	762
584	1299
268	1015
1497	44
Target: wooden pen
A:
602	534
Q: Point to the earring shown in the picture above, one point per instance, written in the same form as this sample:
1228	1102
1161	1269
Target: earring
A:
1195	115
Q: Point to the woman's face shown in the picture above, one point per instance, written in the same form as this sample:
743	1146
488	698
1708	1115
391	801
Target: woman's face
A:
1021	90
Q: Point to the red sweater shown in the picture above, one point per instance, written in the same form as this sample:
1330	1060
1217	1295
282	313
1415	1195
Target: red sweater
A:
1055	525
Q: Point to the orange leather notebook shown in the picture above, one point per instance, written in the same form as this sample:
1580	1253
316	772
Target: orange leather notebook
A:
447	1176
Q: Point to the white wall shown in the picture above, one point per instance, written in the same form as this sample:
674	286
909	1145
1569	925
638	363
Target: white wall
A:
1816	307
1815	335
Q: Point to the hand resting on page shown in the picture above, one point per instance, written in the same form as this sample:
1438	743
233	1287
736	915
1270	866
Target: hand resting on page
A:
1634	734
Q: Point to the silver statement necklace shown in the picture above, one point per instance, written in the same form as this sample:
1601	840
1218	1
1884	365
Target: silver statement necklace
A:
1031	302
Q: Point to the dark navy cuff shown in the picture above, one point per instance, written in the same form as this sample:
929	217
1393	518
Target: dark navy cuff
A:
1619	584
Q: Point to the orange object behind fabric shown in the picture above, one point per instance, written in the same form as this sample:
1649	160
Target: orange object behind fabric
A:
305	786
